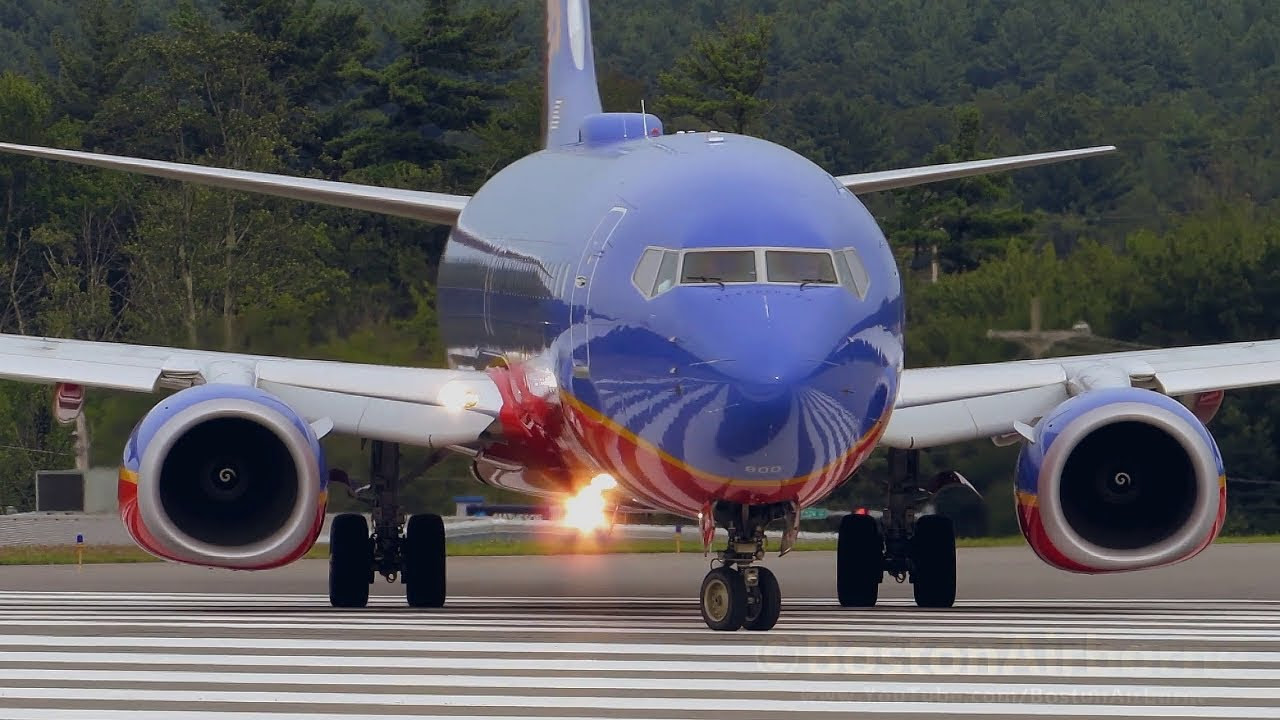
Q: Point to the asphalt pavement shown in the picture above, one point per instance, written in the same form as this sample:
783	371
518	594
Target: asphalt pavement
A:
620	637
1222	571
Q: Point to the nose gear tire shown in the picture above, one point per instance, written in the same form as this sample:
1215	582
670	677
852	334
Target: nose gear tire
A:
859	561
933	562
723	599
764	602
350	561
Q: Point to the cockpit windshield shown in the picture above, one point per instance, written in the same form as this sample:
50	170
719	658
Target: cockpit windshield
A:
718	266
660	269
800	266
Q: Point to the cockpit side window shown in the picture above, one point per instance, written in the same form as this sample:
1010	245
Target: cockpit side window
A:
719	266
853	274
646	275
800	266
667	271
656	271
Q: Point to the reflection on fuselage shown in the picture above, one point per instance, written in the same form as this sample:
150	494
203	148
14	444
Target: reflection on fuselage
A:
757	391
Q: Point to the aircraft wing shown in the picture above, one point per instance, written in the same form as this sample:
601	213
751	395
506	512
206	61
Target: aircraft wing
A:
427	206
433	408
942	405
906	177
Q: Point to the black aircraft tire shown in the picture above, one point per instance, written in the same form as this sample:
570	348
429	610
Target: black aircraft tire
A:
933	562
424	561
723	599
764	612
859	561
350	561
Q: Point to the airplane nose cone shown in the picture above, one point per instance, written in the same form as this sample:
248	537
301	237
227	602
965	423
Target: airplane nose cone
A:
749	392
771	350
765	342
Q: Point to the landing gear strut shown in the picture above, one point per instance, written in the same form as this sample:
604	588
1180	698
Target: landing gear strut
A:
414	551
737	594
922	549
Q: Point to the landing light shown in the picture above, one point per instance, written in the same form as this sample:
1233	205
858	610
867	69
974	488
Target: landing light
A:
584	512
458	396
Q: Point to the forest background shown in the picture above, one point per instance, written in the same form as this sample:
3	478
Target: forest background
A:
1174	240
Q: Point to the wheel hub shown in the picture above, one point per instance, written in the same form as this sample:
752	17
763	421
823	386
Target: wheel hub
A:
716	600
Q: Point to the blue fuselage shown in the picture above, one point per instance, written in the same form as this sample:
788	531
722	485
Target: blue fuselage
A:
753	391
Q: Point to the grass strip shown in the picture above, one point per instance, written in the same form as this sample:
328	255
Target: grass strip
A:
587	545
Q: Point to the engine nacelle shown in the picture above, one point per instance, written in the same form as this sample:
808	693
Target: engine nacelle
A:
1120	479
223	476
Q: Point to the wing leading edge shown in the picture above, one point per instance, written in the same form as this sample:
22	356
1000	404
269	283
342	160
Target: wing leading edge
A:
418	205
416	406
444	208
942	405
907	177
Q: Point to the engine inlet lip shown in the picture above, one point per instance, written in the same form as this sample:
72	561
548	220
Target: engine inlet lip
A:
1172	549
272	549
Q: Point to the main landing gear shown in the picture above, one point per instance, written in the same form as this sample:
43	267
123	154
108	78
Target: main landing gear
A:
737	594
900	543
414	550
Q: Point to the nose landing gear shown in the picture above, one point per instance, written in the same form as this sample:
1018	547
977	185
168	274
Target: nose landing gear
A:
738	594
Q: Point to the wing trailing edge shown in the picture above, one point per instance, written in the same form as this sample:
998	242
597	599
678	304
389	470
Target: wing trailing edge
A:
418	205
907	177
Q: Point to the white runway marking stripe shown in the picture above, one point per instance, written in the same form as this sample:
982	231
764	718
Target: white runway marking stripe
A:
768	653
316	682
918	708
905	630
981	668
99	656
651	703
73	714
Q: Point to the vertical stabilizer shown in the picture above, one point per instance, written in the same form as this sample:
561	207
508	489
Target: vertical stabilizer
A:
571	71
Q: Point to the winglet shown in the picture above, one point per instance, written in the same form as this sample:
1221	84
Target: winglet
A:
571	93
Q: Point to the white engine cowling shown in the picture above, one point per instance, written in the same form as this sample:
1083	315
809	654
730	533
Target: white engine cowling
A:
1120	479
223	476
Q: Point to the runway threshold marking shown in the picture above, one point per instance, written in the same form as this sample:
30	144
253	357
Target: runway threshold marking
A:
703	704
582	666
333	684
997	668
818	647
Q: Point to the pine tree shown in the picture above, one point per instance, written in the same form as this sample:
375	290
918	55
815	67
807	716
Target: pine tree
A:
718	81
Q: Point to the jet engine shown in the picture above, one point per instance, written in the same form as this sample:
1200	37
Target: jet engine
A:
223	476
1119	479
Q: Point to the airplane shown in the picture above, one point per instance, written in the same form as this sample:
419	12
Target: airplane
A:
702	323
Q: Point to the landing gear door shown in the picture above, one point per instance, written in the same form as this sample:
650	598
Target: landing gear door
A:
580	296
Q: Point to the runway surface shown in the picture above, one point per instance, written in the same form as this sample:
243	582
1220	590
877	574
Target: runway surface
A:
1222	571
255	651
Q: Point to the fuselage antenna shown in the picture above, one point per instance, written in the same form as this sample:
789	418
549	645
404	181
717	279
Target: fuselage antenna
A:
644	119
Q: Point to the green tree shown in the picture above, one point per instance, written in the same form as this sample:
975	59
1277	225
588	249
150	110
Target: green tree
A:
204	260
718	80
953	226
